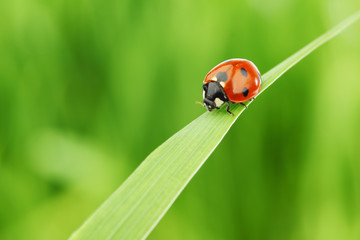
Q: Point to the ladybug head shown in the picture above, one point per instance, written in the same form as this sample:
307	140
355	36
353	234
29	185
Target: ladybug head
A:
214	95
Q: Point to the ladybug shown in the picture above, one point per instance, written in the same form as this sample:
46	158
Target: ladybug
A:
232	81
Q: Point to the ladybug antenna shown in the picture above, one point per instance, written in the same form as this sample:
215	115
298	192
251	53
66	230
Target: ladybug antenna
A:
197	102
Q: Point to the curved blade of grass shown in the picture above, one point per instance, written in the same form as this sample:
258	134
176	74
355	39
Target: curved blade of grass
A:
135	208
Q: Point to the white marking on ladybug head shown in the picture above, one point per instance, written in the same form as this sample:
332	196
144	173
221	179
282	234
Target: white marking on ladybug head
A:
218	102
203	94
214	78
222	84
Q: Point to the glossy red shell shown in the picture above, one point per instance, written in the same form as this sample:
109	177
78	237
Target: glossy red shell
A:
241	82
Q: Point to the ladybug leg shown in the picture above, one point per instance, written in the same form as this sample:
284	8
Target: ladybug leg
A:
228	107
244	105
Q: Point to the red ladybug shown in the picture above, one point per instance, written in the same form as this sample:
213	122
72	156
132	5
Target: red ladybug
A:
232	81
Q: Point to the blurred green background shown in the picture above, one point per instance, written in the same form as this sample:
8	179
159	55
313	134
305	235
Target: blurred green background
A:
89	88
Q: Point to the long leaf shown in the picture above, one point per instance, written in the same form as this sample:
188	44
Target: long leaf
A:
136	207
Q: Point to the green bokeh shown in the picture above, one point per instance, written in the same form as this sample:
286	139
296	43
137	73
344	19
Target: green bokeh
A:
89	88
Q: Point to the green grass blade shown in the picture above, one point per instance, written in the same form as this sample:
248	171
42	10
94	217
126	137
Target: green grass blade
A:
272	75
135	208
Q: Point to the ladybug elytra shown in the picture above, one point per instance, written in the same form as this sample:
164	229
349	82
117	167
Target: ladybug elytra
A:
232	81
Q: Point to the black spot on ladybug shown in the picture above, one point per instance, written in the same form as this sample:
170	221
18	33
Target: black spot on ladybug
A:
244	72
259	78
221	77
245	91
